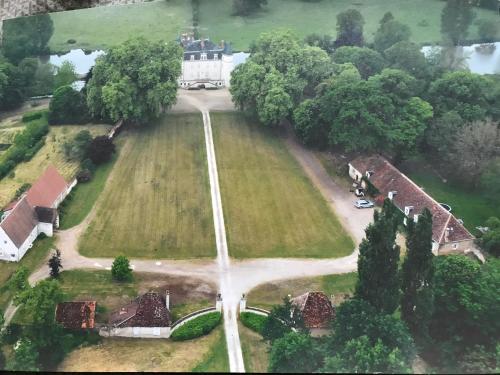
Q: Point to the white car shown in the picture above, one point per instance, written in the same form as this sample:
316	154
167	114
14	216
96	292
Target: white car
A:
363	203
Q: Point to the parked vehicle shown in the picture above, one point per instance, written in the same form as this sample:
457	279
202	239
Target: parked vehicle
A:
363	203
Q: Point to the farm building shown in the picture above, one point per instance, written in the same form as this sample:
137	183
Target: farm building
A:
448	234
35	212
205	64
148	316
317	311
76	315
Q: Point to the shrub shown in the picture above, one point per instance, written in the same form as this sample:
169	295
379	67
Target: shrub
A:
120	270
100	150
197	327
12	333
33	115
253	321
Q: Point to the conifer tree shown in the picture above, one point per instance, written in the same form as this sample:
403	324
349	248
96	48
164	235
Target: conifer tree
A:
378	281
55	264
417	274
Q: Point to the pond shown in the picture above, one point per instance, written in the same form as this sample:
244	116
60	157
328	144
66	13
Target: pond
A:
477	61
81	60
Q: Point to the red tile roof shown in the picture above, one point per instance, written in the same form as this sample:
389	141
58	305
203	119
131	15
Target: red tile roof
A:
387	178
317	310
76	315
20	222
148	310
47	189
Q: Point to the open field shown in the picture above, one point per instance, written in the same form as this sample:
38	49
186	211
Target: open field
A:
124	354
51	153
186	294
254	350
267	295
33	259
216	360
103	27
157	203
271	208
79	203
474	208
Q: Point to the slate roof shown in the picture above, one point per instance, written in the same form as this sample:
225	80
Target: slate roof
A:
47	189
316	307
386	178
148	310
20	222
76	315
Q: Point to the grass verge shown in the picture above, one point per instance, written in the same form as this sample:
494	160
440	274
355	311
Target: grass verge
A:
267	295
271	208
82	198
255	350
216	360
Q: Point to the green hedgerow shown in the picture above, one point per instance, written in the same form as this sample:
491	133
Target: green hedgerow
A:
197	327
253	321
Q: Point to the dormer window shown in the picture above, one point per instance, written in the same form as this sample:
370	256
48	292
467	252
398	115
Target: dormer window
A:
391	195
203	56
369	174
408	209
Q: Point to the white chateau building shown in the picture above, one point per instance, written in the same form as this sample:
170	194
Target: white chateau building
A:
205	64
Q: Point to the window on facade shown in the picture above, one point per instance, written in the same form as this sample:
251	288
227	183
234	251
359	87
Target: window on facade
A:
455	246
203	56
216	57
192	57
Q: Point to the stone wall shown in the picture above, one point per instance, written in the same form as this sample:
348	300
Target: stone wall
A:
17	8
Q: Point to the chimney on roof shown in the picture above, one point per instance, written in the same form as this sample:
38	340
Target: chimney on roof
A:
167	300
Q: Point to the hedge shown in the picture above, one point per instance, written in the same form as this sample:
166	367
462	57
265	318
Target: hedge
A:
26	145
253	321
197	327
33	115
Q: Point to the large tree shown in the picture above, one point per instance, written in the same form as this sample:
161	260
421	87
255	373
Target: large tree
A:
456	17
68	106
135	81
295	353
463	92
408	57
475	147
390	33
280	71
282	319
65	75
378	279
417	300
350	28
367	61
26	36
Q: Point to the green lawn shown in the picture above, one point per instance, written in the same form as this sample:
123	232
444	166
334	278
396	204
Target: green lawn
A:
270	294
320	17
216	360
79	203
271	208
157	201
33	259
255	350
474	208
103	27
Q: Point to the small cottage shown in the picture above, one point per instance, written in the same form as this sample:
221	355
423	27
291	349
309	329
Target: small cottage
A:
35	212
76	315
148	316
317	311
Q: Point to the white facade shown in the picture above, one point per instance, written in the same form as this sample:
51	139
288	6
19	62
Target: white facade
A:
138	332
10	252
215	72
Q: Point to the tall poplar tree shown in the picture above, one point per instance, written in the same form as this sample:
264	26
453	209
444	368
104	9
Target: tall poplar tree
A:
417	273
378	281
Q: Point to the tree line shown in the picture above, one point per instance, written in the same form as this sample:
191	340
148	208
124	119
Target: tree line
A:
441	308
